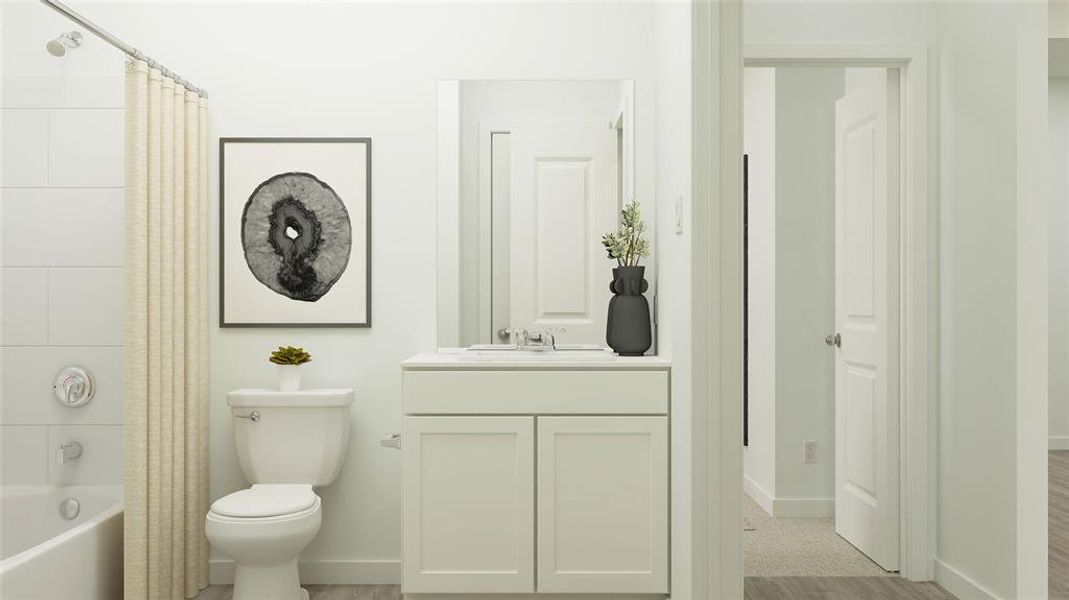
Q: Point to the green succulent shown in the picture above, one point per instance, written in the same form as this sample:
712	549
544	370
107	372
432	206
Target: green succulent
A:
290	355
628	244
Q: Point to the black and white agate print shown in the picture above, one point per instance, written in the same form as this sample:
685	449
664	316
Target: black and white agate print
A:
296	235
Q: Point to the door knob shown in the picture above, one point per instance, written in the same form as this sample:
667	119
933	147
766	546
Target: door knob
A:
834	340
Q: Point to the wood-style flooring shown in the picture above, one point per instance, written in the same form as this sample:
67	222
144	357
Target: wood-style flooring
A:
757	588
1058	525
320	592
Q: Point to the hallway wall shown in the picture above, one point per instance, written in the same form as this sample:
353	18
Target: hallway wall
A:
790	136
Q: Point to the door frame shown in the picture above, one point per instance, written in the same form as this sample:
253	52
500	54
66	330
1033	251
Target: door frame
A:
917	269
716	291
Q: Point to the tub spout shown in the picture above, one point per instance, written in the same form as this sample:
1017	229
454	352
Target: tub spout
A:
68	451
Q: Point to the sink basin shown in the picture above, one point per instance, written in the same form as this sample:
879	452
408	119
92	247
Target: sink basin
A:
498	348
563	353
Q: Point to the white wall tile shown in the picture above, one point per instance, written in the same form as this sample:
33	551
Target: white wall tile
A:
26	376
23	306
85	306
101	459
23	147
61	227
85	147
23	455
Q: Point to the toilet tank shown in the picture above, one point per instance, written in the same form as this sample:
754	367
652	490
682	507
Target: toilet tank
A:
291	437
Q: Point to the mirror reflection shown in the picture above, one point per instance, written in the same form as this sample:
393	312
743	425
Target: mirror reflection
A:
542	171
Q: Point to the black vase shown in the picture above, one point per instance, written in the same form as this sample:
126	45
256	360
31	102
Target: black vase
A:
627	330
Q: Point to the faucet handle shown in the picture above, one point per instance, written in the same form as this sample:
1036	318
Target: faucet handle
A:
548	336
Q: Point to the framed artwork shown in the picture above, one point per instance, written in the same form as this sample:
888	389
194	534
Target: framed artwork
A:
295	232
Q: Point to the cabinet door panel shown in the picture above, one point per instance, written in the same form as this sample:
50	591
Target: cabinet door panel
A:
603	504
468	504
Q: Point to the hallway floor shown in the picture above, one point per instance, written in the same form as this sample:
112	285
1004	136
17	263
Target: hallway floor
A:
799	547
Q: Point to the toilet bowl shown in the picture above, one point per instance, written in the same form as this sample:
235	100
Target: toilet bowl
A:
287	442
263	530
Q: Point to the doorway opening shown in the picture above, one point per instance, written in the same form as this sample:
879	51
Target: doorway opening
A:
823	191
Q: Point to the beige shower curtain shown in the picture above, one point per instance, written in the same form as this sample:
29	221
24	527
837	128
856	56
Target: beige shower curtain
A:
165	453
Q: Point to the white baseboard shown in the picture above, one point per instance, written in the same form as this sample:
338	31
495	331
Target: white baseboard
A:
757	494
788	507
803	507
959	584
1058	442
221	571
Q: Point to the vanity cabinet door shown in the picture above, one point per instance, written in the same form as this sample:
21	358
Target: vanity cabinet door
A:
603	504
468	504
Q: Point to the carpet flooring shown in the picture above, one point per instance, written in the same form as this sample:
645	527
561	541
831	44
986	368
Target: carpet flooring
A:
799	547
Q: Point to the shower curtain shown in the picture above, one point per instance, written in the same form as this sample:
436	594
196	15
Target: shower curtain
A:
165	454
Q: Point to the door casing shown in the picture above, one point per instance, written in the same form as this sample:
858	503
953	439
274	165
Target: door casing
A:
917	296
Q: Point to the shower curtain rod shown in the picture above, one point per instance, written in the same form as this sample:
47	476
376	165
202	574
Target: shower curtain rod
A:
130	51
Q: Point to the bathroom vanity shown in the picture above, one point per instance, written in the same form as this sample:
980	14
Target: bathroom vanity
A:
535	473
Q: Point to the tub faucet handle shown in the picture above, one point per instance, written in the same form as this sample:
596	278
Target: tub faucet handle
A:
68	451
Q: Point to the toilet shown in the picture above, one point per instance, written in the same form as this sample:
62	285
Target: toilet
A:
288	443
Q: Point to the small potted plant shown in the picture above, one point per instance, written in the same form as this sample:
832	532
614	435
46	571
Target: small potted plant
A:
289	359
627	329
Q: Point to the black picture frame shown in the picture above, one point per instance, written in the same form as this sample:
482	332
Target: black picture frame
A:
223	143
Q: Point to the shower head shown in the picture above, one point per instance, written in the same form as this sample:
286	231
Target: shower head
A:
59	46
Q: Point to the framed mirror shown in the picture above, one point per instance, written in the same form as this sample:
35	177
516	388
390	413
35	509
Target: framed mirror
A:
530	175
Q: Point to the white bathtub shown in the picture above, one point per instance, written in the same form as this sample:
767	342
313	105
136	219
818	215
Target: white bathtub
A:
45	556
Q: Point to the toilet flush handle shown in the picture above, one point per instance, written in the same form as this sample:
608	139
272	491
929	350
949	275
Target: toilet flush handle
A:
254	416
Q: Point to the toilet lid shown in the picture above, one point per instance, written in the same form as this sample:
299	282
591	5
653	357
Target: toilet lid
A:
266	500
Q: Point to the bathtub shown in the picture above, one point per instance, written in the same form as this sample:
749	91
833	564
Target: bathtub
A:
46	556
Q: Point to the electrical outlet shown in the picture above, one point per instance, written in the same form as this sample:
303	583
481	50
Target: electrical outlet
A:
809	453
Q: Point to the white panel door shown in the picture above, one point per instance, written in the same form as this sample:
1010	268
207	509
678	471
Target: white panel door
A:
866	407
603	505
562	202
468	504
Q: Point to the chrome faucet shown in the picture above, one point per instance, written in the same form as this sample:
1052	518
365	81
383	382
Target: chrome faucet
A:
536	341
68	451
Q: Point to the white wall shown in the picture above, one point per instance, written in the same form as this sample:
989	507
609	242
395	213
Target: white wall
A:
61	282
989	516
792	217
993	303
805	285
504	102
672	35
1059	263
333	69
1059	18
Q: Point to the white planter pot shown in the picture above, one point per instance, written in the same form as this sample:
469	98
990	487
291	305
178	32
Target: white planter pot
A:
289	378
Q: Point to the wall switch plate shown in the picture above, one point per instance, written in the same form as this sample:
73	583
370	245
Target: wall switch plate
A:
809	453
679	214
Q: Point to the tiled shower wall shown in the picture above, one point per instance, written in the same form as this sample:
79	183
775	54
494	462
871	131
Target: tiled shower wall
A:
61	247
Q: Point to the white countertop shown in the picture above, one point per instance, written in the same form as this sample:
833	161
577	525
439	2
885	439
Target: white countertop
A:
462	358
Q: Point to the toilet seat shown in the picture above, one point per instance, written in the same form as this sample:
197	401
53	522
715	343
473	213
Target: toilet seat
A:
265	501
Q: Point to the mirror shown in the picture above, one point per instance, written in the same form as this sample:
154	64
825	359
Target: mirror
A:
530	175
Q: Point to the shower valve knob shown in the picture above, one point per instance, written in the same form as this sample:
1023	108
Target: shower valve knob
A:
74	387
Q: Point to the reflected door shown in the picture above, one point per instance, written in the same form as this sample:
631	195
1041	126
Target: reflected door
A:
866	413
562	201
